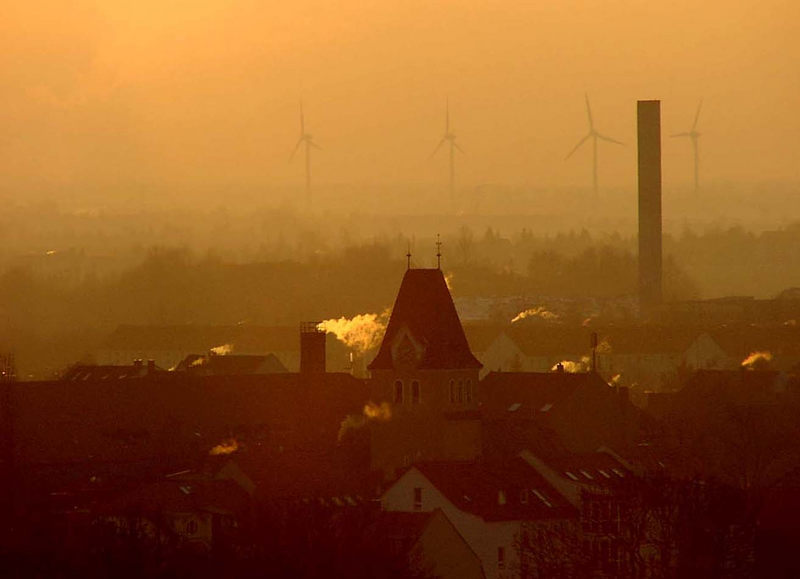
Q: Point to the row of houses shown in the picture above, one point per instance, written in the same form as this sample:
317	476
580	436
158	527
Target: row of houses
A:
459	471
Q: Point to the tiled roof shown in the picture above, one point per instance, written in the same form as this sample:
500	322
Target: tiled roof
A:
231	364
530	394
425	309
102	373
511	490
596	469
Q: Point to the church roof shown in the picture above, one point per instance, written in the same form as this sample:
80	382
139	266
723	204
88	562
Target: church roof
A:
424	308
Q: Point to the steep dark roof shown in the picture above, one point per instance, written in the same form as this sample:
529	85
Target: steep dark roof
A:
425	308
231	364
494	492
530	394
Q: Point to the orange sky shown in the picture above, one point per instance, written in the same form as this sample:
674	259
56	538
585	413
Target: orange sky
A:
177	93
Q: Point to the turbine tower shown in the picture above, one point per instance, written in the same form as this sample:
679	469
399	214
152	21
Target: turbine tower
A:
308	140
594	135
694	136
449	137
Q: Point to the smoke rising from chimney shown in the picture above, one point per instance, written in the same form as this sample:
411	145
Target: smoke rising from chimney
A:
539	312
362	332
757	360
227	446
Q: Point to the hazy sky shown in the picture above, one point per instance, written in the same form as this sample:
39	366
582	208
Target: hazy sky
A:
180	93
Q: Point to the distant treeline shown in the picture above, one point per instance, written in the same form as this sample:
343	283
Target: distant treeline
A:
49	315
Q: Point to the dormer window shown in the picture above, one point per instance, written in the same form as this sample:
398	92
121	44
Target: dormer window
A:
460	391
415	392
398	392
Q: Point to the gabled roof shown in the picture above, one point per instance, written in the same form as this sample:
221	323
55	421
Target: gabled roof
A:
102	373
511	490
231	364
594	469
530	394
181	496
425	309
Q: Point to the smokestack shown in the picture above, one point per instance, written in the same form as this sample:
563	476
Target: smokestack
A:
312	348
649	141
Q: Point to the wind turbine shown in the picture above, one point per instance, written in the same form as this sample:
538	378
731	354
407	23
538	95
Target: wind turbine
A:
308	140
694	136
594	135
449	137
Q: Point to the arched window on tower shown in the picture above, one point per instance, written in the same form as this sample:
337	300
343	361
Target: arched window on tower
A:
398	392
460	391
469	390
452	391
415	392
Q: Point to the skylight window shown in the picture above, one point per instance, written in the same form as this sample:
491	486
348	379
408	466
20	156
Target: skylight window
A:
570	475
514	407
546	407
587	475
542	498
604	473
618	472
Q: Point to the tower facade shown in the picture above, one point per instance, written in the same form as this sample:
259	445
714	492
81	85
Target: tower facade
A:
427	375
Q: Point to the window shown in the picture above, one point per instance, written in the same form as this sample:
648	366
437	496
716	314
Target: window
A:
523	496
469	390
452	391
191	527
415	392
398	392
501	558
460	391
417	498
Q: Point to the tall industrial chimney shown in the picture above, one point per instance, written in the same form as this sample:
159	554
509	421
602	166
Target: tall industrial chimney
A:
312	348
648	115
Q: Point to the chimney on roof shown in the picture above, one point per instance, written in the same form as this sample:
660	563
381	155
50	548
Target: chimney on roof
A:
560	368
151	367
137	363
649	149
312	348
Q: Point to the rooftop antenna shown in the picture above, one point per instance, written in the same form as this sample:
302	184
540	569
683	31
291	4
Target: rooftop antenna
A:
438	252
308	140
594	135
449	137
694	136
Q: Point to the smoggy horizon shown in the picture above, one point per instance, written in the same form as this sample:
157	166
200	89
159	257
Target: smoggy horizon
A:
106	96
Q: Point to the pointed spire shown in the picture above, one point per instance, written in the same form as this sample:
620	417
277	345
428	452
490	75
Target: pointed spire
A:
438	252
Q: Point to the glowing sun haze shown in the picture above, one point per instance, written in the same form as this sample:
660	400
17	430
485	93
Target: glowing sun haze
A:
186	92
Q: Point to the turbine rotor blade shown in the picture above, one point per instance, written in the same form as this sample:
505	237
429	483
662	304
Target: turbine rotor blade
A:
697	115
436	150
302	120
681	135
589	111
447	116
313	144
578	146
609	139
458	147
297	146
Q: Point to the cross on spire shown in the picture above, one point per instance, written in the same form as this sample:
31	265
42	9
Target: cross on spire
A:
408	255
438	252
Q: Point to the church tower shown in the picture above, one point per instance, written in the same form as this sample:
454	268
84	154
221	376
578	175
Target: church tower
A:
426	373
